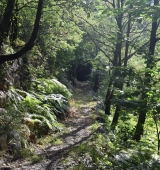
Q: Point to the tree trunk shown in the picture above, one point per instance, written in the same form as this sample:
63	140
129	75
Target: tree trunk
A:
116	117
116	62
14	25
120	84
118	108
109	96
6	20
96	82
139	127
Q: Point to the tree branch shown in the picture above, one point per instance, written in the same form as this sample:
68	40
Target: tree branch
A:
30	44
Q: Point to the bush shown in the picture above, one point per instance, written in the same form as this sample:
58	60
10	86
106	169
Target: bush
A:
38	109
53	86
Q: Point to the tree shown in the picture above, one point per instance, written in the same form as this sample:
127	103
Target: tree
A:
5	25
125	39
118	36
150	64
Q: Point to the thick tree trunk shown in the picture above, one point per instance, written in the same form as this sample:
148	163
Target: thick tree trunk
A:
116	117
14	24
108	105
139	127
118	109
30	44
108	101
120	84
6	20
116	62
96	82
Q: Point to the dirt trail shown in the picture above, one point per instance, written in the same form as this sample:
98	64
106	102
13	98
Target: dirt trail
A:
77	129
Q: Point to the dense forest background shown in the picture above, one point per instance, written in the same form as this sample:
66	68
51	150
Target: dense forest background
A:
46	46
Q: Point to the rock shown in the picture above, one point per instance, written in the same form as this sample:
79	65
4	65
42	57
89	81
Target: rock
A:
3	142
94	98
3	139
103	129
2	131
3	99
4	85
99	106
40	128
3	114
14	142
24	131
16	81
2	111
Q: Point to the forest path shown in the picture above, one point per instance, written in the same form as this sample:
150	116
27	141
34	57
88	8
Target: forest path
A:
78	127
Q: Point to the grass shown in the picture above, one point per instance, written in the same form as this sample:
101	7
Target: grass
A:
95	126
26	153
50	139
35	158
80	100
57	141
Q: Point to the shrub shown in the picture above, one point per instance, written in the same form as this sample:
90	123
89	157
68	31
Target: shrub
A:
53	86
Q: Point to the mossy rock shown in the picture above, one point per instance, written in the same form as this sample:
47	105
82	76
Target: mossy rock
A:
38	124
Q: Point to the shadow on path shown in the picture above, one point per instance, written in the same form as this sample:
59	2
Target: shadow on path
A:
79	129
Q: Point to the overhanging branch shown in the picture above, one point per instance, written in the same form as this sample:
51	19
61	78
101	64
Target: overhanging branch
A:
30	44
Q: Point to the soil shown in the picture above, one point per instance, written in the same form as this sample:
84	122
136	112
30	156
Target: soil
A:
78	128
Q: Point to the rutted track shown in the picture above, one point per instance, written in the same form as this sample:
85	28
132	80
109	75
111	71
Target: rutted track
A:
78	128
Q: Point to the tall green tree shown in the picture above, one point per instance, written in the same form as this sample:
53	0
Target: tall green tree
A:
151	62
119	33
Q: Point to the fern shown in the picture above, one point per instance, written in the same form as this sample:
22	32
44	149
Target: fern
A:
58	103
46	86
47	101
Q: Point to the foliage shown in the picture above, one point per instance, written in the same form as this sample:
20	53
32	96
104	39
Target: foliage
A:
113	36
58	104
35	158
110	150
51	86
38	111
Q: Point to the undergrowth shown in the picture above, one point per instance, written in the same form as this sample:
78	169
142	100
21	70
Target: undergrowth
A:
39	110
116	150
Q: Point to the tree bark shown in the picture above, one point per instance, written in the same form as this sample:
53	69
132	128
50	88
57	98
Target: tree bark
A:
14	25
30	44
140	126
116	117
96	82
108	100
116	61
118	109
120	84
6	20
